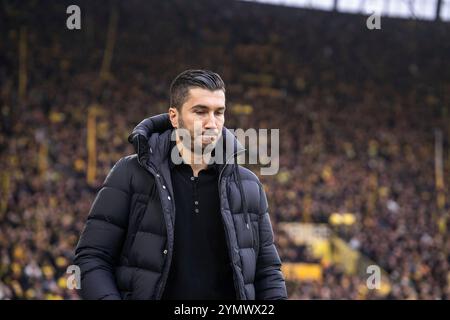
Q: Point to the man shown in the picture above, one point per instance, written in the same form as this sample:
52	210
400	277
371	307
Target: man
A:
191	229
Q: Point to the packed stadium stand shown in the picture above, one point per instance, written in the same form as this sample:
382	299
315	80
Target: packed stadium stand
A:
358	111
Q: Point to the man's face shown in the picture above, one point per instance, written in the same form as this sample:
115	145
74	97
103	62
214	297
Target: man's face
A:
202	115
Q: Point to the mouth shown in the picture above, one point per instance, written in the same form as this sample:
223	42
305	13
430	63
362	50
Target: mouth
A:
208	138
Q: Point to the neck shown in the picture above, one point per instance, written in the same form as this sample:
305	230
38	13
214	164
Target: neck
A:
197	162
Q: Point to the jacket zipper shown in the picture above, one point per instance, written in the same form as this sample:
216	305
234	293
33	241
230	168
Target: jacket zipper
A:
230	252
165	274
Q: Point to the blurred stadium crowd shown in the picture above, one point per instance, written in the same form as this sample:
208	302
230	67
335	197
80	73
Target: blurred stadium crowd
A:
357	110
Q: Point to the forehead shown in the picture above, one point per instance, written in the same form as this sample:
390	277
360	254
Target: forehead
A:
205	97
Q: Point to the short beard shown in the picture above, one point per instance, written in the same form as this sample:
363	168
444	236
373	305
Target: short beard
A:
188	144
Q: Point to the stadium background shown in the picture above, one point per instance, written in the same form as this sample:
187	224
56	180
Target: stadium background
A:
363	116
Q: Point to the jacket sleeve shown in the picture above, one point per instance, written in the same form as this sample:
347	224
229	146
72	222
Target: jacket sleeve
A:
100	244
269	281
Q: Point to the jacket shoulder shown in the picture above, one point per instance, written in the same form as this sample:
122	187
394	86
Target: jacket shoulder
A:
247	174
256	194
130	162
126	173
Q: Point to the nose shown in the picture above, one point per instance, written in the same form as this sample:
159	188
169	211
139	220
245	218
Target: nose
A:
211	121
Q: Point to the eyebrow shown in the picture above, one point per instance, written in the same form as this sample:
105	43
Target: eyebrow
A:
203	107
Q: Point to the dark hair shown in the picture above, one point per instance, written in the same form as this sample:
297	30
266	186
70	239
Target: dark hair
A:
206	79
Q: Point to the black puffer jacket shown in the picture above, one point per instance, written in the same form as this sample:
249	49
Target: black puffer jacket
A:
125	249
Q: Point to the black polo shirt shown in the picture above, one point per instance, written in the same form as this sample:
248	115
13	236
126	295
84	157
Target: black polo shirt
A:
200	267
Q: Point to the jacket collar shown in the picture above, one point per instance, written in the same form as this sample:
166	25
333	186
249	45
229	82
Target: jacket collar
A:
160	148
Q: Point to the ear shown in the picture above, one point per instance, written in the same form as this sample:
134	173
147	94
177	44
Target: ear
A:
173	116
